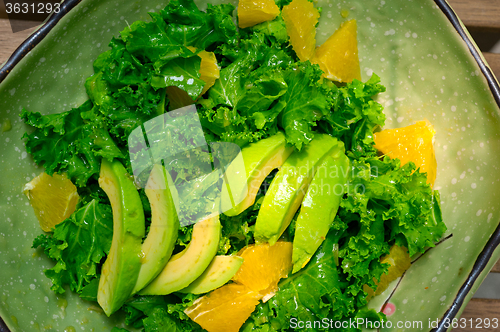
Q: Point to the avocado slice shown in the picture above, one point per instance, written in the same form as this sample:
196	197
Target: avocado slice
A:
259	160
288	188
185	267
121	268
160	242
319	207
219	272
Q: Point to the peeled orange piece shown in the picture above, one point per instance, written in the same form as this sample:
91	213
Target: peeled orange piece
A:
224	309
411	143
209	72
338	56
53	199
399	259
252	12
263	266
228	307
301	18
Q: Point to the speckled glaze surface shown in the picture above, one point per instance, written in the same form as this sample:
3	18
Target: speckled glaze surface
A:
421	59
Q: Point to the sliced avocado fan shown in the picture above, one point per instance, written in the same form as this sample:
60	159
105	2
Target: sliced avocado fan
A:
219	272
288	188
186	266
121	268
159	244
319	207
259	159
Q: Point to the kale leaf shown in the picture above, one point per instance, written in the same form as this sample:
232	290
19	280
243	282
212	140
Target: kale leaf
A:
78	246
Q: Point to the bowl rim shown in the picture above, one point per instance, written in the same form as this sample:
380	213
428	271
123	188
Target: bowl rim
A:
494	241
35	38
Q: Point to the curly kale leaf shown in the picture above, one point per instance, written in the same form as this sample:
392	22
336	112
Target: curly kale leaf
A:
78	246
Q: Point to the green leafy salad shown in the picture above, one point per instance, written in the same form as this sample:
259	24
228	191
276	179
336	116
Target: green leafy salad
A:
262	95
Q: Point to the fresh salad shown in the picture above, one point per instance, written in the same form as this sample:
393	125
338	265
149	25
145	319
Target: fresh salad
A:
230	176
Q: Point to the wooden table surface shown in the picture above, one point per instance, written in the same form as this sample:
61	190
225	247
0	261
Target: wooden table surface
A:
477	15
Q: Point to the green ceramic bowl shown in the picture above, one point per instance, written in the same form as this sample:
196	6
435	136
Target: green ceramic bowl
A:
431	70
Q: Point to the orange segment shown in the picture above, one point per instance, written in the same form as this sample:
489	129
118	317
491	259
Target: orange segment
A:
209	72
264	266
399	259
53	199
301	18
224	309
338	56
228	307
252	12
411	143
